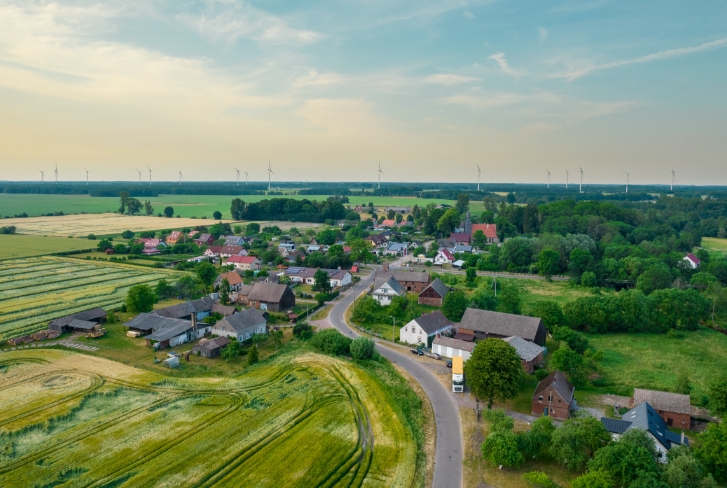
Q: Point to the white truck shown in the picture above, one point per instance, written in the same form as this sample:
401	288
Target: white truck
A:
457	374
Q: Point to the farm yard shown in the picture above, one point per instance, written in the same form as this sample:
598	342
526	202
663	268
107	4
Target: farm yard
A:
35	291
20	246
298	420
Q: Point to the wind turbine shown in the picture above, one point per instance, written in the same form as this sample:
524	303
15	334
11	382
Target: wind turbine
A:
147	166
566	179
238	176
672	180
380	173
548	177
627	181
245	178
270	172
56	171
180	178
478	177
86	175
42	176
139	176
580	188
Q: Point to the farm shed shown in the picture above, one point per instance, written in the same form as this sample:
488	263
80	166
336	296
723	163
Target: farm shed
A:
167	332
485	324
241	296
96	315
531	354
224	310
242	325
433	294
449	347
271	296
211	348
81	325
674	408
414	281
201	308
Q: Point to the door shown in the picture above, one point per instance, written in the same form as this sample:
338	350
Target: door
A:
545	412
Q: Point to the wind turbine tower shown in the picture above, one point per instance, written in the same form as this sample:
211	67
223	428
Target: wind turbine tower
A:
672	180
478	177
139	176
627	181
56	171
180	178
270	172
566	179
238	176
42	176
580	188
380	173
245	178
147	167
548	178
86	175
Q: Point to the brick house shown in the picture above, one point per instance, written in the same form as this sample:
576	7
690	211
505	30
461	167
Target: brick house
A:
433	294
244	262
674	408
554	396
531	354
204	240
413	281
272	297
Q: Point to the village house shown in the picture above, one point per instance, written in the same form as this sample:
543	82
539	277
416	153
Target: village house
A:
199	309
420	329
167	332
433	295
674	408
241	326
449	347
388	223
272	297
93	315
339	278
377	241
692	260
397	249
490	231
399	210
204	240
232	277
224	310
241	296
460	239
212	251
531	354
484	324
233	240
554	396
286	248
413	281
244	262
386	289
211	348
293	256
446	243
174	237
444	256
645	417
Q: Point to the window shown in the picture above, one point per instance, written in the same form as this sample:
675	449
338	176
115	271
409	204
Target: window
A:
540	398
550	396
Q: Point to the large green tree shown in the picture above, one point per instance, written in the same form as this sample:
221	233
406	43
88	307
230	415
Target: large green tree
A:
206	273
494	371
631	457
224	292
449	221
140	298
712	450
454	305
321	281
548	260
577	440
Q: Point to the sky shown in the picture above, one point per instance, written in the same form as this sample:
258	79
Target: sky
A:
326	90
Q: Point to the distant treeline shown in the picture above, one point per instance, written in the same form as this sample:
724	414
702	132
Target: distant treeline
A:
288	209
134	190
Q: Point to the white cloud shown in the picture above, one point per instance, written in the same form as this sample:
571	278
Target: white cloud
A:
314	78
671	53
232	21
468	15
449	79
499	58
542	33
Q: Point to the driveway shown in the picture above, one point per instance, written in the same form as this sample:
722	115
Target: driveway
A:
448	455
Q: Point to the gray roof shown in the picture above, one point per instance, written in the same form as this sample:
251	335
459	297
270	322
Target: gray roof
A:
245	290
526	350
615	426
267	292
148	321
502	324
392	283
223	309
560	384
645	417
246	319
438	286
432	322
415	276
204	304
212	344
82	324
663	400
91	314
454	343
177	328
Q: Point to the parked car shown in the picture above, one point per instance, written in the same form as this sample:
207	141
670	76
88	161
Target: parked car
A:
434	355
449	364
417	351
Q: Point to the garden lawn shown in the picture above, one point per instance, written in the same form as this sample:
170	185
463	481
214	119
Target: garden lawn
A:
21	246
654	361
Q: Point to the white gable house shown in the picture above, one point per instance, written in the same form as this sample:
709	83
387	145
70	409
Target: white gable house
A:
386	290
419	330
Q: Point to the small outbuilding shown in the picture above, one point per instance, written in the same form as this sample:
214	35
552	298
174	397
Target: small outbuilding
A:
449	347
531	354
211	348
433	294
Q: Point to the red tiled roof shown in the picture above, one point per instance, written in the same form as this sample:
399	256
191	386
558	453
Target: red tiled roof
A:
388	223
490	230
446	253
241	259
693	259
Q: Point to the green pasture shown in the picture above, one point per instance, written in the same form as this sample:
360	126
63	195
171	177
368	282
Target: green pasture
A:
23	246
184	205
300	419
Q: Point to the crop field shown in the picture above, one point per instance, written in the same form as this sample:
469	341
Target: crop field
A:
35	291
300	420
715	245
20	246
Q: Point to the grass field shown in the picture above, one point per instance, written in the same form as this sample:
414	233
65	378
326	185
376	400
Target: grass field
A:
21	246
184	205
715	245
35	291
654	361
299	420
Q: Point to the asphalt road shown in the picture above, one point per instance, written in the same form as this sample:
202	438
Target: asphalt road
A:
448	456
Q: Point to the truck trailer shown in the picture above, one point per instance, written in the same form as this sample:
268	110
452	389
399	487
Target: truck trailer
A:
457	374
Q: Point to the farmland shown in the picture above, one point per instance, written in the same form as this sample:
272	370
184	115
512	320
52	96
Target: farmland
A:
35	291
298	420
21	246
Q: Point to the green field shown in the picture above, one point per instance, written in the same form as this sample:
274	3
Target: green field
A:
21	246
654	361
35	291
299	420
715	245
184	205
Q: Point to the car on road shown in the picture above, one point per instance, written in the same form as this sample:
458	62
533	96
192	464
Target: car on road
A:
416	351
449	364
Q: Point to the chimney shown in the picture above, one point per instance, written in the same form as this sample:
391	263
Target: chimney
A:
386	267
194	322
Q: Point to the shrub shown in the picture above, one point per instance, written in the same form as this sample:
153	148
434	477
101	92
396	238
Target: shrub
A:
362	348
302	330
541	374
330	341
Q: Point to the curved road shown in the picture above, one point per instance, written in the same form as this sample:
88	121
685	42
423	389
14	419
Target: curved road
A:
448	456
